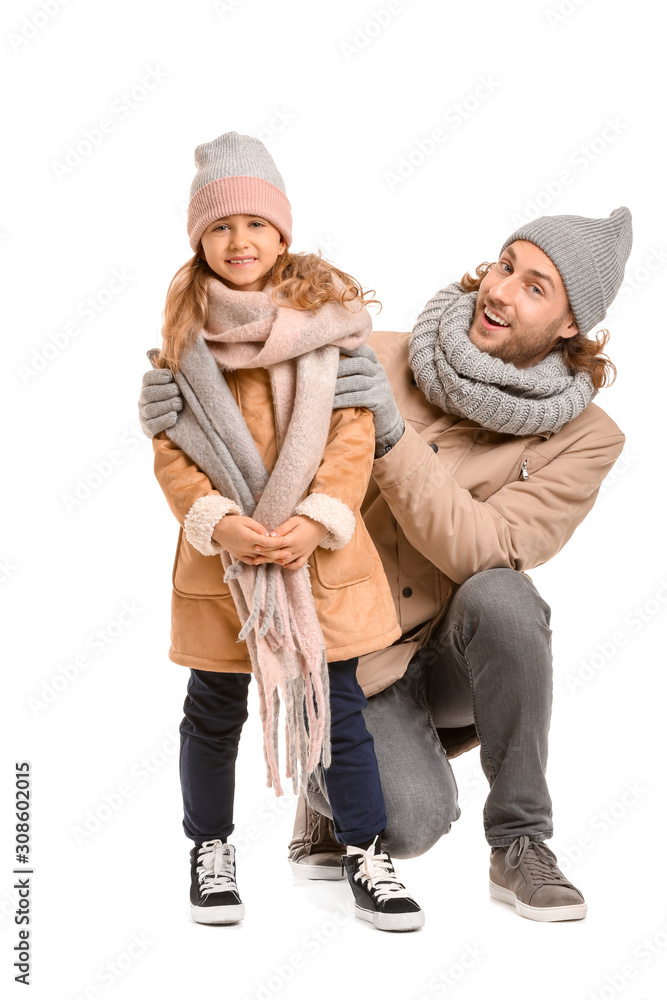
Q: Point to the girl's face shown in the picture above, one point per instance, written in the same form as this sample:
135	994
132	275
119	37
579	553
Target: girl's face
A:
241	249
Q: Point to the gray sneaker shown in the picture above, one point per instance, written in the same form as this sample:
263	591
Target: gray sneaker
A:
314	852
526	875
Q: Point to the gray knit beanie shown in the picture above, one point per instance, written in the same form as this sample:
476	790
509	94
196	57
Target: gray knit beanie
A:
590	255
236	175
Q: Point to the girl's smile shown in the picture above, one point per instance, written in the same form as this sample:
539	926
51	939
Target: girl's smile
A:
241	261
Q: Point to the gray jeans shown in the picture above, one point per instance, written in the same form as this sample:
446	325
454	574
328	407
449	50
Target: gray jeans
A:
488	663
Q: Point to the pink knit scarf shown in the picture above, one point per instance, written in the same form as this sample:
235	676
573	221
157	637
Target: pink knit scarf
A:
300	350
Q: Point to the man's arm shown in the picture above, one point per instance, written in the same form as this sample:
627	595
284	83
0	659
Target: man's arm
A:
521	526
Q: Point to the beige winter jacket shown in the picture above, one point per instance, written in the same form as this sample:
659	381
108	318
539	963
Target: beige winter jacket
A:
352	599
452	499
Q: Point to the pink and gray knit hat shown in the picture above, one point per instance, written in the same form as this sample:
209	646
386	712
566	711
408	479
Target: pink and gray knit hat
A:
236	175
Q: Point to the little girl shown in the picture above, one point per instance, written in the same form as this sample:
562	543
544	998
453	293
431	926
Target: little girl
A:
261	473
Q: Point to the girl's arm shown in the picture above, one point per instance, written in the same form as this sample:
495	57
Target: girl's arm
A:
327	515
183	483
201	510
339	486
194	503
333	498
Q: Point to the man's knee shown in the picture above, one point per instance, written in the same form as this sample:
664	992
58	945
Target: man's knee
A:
503	598
416	822
498	617
407	837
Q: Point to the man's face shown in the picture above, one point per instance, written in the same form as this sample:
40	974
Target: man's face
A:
528	306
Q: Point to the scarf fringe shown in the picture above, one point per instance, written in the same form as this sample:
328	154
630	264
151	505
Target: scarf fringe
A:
279	623
291	664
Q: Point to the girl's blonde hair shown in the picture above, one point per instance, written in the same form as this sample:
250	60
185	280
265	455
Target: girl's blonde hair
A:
302	280
580	353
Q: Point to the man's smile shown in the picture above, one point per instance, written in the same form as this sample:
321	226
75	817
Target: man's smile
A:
491	320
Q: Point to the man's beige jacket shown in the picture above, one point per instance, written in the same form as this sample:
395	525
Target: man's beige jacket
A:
452	499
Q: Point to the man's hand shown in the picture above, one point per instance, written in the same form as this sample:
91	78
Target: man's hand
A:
159	401
362	381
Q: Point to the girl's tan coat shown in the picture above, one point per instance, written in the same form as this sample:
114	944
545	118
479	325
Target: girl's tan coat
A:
350	590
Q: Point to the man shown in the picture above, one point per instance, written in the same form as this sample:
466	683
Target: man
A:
489	453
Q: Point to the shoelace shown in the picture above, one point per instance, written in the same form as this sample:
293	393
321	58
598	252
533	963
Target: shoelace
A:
317	833
378	870
215	867
538	859
320	833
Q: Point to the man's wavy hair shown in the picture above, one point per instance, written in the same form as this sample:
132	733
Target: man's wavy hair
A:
302	280
580	353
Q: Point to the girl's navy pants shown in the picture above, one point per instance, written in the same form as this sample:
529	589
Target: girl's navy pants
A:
216	706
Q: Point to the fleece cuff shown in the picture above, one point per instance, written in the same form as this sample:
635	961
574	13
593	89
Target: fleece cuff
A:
333	514
202	518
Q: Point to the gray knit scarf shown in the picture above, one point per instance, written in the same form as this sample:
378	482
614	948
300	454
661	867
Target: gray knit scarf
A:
275	609
461	379
300	350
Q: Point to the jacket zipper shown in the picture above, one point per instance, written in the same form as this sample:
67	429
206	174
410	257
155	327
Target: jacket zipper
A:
523	472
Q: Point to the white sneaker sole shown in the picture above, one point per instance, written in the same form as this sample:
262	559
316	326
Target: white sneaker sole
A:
576	911
328	872
217	914
391	921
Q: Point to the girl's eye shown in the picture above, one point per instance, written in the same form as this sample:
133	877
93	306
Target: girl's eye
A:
256	223
504	264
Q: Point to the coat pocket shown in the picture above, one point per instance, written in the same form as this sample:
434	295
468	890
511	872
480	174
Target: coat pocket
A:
336	568
195	575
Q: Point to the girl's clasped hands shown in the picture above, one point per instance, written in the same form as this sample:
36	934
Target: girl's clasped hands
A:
289	545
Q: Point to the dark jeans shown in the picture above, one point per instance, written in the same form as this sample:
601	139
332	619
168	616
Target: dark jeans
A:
216	706
488	664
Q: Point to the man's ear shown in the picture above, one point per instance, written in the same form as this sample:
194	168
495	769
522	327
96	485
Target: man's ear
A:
572	328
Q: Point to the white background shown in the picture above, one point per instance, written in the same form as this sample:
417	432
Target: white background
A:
339	99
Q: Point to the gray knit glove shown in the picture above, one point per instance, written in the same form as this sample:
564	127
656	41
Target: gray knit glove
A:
362	381
159	401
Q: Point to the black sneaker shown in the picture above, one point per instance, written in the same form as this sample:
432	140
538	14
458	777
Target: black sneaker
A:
214	898
379	897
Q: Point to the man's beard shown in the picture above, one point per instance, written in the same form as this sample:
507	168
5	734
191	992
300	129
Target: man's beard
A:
523	354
